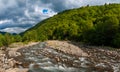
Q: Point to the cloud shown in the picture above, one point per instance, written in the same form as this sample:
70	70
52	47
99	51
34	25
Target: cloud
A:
13	30
60	5
20	15
5	4
5	21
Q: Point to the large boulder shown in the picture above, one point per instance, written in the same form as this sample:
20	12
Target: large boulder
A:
66	47
12	53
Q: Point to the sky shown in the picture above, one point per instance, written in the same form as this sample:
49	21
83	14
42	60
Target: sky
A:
19	15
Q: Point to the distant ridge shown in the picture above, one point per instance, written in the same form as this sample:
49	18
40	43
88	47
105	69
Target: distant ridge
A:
7	32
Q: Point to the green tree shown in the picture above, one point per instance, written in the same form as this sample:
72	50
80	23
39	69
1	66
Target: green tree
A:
8	39
1	40
18	38
116	40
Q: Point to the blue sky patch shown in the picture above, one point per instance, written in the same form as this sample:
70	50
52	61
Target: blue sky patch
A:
45	11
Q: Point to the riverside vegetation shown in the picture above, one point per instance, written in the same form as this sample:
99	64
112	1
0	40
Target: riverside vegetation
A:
95	25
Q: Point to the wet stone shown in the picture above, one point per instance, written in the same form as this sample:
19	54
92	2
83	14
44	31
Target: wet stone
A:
42	58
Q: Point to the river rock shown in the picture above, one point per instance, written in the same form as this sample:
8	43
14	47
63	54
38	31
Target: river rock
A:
16	70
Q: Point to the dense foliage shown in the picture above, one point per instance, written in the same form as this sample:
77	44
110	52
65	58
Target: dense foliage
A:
7	38
97	25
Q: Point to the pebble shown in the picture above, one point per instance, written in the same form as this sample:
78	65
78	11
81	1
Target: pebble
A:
46	57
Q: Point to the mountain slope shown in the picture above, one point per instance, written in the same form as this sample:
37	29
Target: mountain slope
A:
97	25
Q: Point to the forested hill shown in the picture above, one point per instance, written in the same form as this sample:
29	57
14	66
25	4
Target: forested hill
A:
99	25
96	25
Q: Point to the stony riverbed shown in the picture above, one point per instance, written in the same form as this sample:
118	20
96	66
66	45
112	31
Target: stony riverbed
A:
59	56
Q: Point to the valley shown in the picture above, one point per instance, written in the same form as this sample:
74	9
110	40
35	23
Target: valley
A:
85	39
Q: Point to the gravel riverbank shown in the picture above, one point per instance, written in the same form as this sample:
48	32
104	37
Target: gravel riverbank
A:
60	56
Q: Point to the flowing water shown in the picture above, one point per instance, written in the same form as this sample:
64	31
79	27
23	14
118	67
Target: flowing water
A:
40	58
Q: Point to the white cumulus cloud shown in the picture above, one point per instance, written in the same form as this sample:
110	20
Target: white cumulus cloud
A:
13	30
5	21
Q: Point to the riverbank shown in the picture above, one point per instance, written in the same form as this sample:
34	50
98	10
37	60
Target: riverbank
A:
60	56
